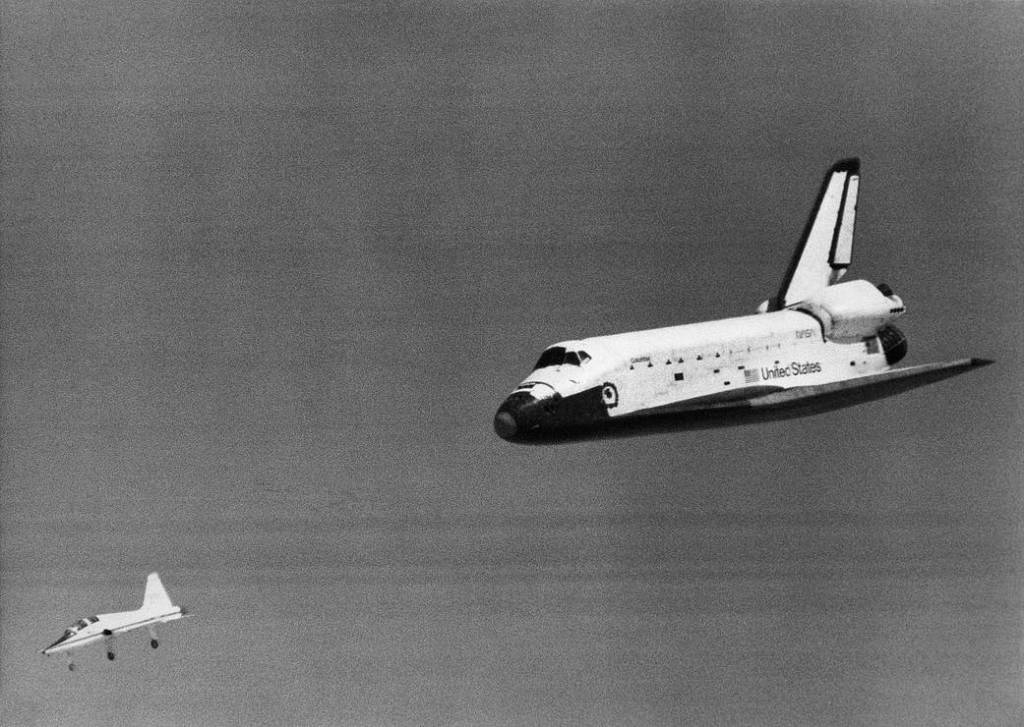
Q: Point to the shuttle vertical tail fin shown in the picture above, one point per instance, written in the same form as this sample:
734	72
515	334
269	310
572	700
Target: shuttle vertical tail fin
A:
826	247
156	598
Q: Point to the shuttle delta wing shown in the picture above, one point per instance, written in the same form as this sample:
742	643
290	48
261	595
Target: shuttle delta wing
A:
840	394
826	248
760	403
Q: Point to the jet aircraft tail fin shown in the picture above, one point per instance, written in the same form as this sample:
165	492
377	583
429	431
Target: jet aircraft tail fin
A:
156	598
826	246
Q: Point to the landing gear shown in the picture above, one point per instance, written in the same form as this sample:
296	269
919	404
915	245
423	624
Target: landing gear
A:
108	637
152	636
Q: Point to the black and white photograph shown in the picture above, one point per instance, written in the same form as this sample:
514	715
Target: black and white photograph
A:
499	364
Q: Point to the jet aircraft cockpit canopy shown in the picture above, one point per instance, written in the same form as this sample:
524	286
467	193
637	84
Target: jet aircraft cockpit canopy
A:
79	625
560	356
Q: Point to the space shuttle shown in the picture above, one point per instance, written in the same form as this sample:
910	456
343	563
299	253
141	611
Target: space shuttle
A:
156	608
817	345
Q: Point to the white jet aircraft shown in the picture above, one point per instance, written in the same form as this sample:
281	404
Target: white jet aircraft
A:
156	608
817	345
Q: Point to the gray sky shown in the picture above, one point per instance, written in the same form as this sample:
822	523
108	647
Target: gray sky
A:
268	269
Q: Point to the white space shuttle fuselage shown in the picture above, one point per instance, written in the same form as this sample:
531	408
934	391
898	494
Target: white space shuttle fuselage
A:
819	344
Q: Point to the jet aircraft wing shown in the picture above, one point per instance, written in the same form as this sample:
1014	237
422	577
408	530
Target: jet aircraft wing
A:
138	624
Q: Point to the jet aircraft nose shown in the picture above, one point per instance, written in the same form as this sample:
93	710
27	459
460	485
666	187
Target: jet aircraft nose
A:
50	648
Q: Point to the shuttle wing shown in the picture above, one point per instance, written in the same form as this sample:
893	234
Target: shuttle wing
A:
826	246
770	402
837	394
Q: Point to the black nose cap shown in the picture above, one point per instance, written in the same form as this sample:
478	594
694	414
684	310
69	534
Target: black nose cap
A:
505	424
516	416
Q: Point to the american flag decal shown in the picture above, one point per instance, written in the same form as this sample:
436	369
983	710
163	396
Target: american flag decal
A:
750	376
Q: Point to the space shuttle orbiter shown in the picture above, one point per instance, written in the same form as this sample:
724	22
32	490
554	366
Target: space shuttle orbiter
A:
817	344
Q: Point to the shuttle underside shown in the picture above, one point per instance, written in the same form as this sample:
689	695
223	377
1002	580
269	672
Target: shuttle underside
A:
586	416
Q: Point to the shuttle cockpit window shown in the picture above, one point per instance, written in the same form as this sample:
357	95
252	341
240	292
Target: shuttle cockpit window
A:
552	357
558	356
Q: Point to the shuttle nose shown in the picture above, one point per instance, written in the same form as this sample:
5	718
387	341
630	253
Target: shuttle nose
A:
505	424
516	416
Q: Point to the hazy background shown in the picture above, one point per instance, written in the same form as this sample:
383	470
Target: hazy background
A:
269	268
